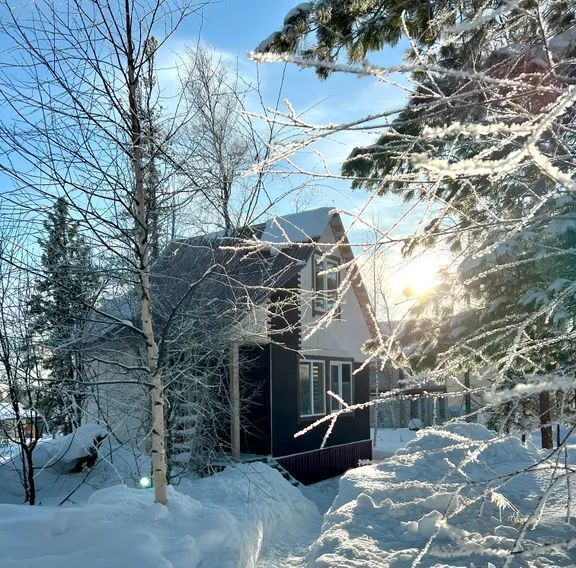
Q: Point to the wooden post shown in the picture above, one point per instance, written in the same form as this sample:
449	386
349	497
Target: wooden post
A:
467	397
545	407
234	402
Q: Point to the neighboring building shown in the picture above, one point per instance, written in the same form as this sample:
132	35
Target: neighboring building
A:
273	301
425	405
9	422
418	401
430	404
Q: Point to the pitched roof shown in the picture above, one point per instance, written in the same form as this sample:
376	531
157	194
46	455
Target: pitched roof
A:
217	275
219	278
306	226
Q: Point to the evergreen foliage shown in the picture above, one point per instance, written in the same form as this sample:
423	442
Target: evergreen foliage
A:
58	308
480	68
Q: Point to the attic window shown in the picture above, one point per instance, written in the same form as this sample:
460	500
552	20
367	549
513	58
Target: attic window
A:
326	284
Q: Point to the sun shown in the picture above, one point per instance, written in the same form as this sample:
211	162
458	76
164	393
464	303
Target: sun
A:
418	276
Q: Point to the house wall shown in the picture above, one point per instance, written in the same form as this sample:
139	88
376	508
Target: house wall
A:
340	339
343	336
255	437
286	420
118	398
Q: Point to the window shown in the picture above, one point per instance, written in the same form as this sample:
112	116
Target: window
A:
312	388
340	384
326	283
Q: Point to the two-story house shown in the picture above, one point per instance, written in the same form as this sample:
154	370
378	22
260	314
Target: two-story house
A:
290	295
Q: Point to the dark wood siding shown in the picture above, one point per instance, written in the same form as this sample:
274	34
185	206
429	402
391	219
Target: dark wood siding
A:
286	419
255	381
329	462
350	432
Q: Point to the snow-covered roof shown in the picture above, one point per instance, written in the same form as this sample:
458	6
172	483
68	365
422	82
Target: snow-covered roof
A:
300	227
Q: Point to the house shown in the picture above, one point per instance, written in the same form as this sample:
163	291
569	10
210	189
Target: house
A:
9	421
288	293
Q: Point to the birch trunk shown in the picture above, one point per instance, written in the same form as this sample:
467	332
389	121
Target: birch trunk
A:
143	253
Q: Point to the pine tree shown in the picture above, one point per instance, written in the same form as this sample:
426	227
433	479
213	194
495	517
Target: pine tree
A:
58	309
482	64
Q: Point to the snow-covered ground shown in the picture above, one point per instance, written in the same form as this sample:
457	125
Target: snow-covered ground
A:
450	498
389	440
228	520
116	465
443	500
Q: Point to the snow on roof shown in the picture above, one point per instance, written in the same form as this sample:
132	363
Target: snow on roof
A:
297	227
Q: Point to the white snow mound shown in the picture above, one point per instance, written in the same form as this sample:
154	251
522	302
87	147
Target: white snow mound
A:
225	521
64	451
453	497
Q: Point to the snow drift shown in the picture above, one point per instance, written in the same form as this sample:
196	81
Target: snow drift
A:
451	497
64	452
225	521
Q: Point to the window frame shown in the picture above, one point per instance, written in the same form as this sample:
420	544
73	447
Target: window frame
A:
320	303
310	363
333	401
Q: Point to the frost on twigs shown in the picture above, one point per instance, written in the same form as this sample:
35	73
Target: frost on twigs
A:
458	496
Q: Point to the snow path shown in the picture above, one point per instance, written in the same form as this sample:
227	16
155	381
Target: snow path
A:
323	494
293	554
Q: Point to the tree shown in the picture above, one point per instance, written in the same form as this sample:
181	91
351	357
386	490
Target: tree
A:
486	141
21	372
476	132
76	129
58	308
88	123
218	145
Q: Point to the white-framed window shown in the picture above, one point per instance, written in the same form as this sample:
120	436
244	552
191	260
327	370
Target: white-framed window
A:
340	383
326	283
312	385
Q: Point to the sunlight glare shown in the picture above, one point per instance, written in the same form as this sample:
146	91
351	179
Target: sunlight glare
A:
419	275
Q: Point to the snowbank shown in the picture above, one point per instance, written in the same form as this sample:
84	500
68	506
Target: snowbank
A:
116	464
63	452
449	498
389	440
223	521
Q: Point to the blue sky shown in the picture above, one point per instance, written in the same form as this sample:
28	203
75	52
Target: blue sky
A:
235	27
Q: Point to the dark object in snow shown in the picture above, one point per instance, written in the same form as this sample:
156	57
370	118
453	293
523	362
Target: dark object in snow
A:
72	453
88	461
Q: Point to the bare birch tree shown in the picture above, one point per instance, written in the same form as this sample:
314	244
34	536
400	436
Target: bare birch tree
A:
21	373
74	128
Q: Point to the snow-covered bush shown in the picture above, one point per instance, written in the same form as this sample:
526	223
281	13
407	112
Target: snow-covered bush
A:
226	521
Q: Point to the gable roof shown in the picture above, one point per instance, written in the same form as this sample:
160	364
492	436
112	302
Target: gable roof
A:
220	277
306	226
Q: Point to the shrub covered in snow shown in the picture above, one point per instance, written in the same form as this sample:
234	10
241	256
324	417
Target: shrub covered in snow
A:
451	497
64	452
